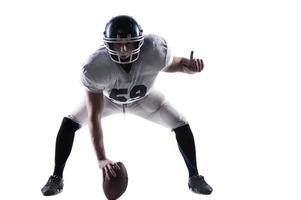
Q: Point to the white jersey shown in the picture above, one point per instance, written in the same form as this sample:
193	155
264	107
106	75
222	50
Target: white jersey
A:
101	74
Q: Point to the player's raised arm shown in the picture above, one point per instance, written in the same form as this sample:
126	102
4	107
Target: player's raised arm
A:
95	105
185	65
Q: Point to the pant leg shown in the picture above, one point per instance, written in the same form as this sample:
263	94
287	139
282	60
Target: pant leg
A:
157	109
80	114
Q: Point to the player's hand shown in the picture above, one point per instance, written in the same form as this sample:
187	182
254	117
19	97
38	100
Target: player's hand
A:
108	167
193	65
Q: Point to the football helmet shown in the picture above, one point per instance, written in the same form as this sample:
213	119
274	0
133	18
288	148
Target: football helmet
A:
123	30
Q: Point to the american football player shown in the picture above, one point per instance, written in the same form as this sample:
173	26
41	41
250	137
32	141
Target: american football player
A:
119	78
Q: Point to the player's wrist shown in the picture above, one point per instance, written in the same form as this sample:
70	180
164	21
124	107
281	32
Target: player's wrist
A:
100	160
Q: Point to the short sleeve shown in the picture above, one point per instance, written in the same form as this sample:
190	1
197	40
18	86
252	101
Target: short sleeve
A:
88	81
162	51
167	50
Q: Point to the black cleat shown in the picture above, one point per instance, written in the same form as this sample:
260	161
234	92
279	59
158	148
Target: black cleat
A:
53	186
198	185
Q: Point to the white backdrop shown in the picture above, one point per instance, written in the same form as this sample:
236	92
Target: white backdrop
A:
244	108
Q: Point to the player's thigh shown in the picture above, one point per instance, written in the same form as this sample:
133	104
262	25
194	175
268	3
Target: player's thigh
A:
157	109
80	114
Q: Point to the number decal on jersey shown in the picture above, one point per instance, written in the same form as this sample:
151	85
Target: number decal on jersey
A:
137	92
117	94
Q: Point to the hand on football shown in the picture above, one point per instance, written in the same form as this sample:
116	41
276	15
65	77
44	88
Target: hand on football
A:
193	65
108	167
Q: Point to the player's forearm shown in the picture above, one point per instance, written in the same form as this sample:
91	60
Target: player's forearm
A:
175	65
185	65
97	138
179	64
182	65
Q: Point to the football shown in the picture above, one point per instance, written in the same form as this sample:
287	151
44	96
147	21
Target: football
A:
114	187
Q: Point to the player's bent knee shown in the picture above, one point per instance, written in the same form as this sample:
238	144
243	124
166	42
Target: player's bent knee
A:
180	124
75	120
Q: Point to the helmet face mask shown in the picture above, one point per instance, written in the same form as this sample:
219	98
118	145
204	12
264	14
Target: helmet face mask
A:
123	39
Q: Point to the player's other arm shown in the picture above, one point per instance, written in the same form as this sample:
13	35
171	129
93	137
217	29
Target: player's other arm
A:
185	65
95	105
95	108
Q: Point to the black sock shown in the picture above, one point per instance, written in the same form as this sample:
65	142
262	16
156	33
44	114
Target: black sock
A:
63	146
186	145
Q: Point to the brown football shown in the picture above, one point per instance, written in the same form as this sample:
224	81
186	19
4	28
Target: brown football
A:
114	187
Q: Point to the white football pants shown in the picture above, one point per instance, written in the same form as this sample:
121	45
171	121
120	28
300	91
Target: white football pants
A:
153	107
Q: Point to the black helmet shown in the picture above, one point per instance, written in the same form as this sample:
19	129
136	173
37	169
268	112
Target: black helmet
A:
123	29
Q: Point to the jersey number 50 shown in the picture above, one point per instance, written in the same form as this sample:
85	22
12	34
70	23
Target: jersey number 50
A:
136	92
